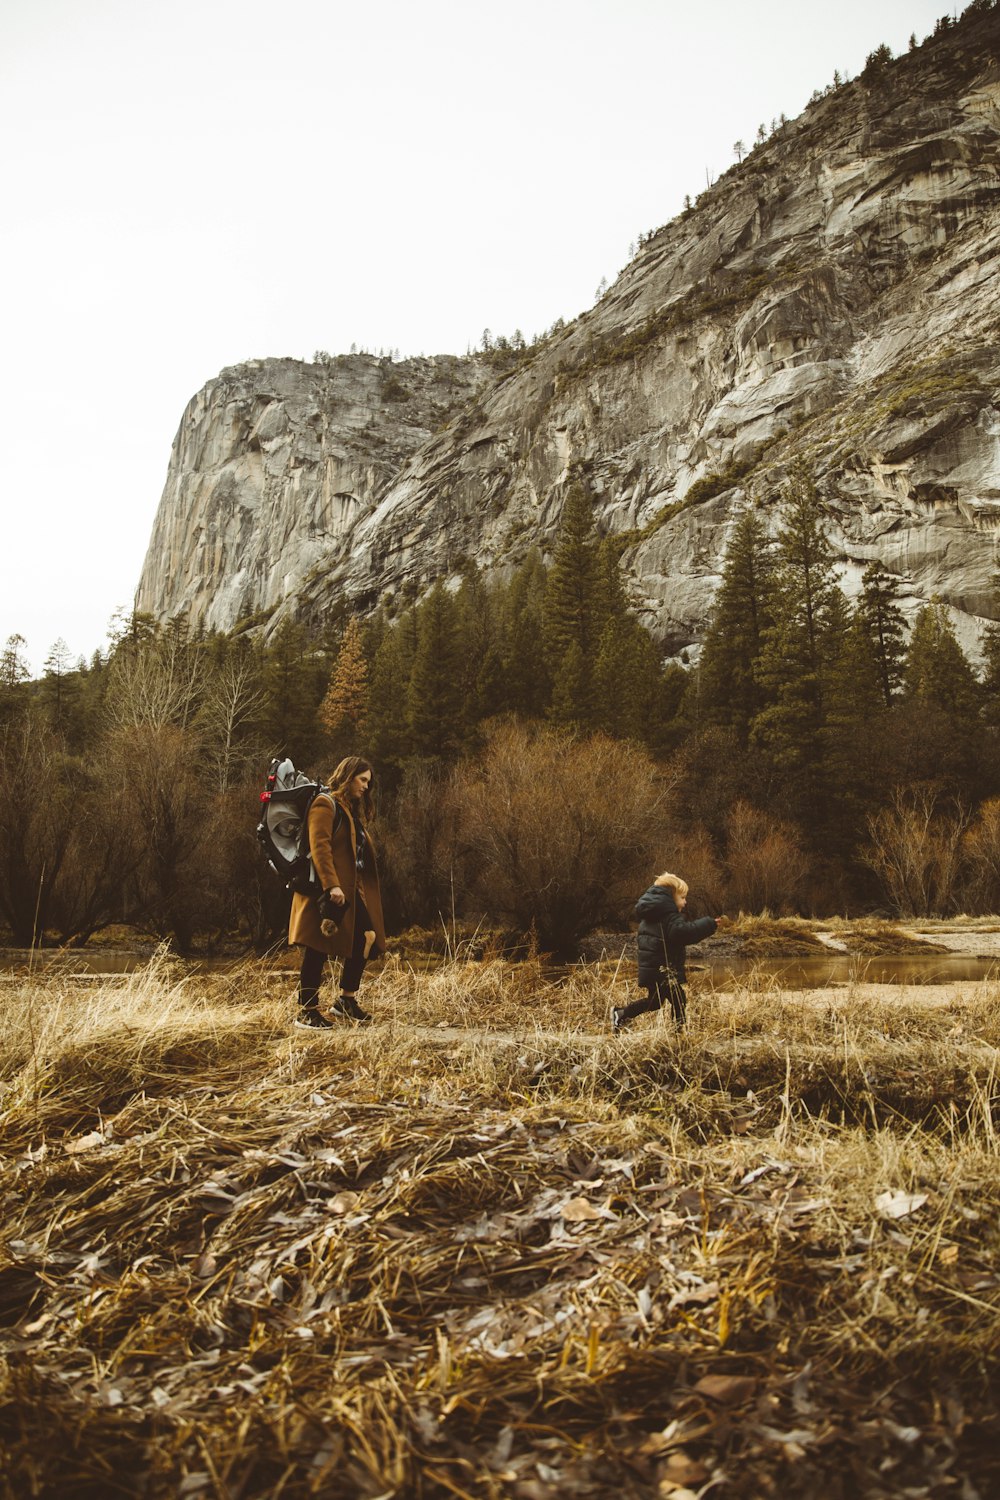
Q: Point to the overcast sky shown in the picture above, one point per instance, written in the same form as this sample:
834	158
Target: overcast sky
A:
191	183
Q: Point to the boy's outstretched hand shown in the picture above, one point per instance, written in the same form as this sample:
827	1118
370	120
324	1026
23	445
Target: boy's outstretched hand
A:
723	921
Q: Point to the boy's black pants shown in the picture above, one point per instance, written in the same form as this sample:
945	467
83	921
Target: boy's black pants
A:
660	987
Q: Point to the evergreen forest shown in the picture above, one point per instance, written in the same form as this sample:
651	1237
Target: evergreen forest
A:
535	761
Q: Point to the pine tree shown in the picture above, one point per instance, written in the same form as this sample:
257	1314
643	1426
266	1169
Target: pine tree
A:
727	686
853	691
92	680
434	695
571	690
573	577
392	664
936	669
481	675
344	710
809	619
989	644
854	712
58	686
883	619
526	683
628	682
293	677
14	674
575	599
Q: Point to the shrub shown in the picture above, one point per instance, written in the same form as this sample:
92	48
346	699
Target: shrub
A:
692	856
915	851
766	863
981	849
566	830
427	868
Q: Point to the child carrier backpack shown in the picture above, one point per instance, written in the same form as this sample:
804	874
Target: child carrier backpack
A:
283	830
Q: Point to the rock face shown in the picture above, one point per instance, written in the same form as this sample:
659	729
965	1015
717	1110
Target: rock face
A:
273	465
830	301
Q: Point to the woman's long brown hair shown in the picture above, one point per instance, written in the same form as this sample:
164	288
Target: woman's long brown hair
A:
340	781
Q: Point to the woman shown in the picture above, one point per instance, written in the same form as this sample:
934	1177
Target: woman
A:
350	926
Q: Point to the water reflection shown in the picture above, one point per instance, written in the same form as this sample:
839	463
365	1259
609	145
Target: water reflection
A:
789	973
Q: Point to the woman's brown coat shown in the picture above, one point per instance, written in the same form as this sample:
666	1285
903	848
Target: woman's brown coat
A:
333	847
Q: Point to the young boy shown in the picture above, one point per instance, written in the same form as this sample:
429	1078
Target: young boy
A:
663	937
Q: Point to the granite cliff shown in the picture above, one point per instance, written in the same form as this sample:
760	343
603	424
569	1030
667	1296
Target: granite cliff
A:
832	299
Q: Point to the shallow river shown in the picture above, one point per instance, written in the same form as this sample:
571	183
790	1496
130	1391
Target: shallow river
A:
791	973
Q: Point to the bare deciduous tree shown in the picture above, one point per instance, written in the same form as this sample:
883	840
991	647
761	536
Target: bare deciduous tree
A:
231	700
36	822
428	865
154	679
174	821
981	851
567	830
915	850
766	862
103	854
692	856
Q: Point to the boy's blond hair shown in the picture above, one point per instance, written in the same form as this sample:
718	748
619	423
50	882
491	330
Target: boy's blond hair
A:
679	885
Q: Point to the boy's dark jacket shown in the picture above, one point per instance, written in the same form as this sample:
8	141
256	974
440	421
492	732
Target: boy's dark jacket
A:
664	934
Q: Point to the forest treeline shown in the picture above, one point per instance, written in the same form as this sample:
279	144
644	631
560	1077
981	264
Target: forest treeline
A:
535	759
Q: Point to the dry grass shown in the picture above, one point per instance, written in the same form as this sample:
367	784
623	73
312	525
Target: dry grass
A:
764	936
484	1249
874	938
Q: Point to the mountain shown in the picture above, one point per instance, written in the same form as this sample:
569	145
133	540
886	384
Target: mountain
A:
831	301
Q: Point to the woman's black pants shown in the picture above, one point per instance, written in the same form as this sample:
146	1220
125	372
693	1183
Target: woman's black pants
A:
659	988
311	972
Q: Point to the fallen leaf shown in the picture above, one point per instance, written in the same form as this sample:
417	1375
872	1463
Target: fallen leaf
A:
727	1388
578	1210
807	1206
342	1203
908	1435
194	1483
769	1166
795	1441
681	1470
898	1204
88	1142
699	1295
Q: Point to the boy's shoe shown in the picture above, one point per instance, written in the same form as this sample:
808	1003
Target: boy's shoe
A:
349	1008
618	1023
311	1019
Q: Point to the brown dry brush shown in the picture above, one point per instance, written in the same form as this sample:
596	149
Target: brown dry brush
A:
483	1249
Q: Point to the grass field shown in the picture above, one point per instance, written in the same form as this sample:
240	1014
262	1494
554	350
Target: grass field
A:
482	1248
